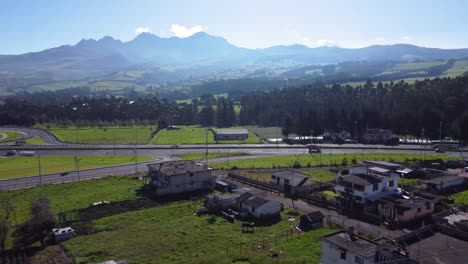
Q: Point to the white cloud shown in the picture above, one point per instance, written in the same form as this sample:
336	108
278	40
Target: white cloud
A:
183	32
326	42
142	30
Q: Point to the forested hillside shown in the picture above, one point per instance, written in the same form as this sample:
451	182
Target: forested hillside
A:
406	108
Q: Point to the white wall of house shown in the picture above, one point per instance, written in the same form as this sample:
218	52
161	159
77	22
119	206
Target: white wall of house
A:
332	255
187	182
388	185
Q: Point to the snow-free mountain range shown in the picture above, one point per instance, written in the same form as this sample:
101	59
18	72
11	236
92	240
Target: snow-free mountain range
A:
197	55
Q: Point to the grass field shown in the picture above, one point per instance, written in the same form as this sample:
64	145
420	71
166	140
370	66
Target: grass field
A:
35	141
457	69
319	159
200	156
266	132
320	175
95	135
172	234
460	198
10	135
416	66
194	135
16	167
407	181
72	196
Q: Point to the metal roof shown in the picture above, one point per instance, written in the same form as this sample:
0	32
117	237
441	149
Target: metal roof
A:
231	131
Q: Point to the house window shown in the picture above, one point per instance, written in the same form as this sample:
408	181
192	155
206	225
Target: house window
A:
286	181
358	260
375	187
428	206
273	177
343	254
419	210
253	209
391	183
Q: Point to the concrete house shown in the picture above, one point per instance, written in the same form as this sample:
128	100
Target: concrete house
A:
257	206
395	209
177	177
231	134
289	181
444	183
343	247
368	182
220	202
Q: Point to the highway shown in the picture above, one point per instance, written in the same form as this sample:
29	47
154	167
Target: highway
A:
168	152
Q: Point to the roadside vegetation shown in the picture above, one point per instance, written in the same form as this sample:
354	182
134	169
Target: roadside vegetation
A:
35	141
16	167
314	160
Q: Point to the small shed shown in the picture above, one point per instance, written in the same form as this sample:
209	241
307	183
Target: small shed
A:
62	234
445	182
232	134
310	221
223	186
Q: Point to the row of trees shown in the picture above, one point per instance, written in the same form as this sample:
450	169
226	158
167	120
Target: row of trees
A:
405	108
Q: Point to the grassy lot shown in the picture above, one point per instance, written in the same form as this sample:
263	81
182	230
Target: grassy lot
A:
35	141
172	234
415	66
16	167
266	132
72	196
95	135
317	159
200	156
460	197
457	69
320	175
194	135
330	195
407	181
315	174
10	135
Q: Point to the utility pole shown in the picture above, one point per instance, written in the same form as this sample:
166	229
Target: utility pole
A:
355	131
422	138
440	131
77	167
136	144
40	169
114	142
277	137
206	151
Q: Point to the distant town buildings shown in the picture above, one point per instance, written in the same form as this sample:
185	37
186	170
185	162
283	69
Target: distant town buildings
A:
377	136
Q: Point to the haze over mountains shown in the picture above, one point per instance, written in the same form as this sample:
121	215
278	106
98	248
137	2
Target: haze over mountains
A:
197	55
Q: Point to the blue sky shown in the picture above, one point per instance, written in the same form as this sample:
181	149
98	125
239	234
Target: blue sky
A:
36	25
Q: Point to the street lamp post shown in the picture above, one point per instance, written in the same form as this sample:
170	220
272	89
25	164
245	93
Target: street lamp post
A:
355	131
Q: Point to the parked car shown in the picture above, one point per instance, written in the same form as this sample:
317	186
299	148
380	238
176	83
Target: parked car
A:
439	150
